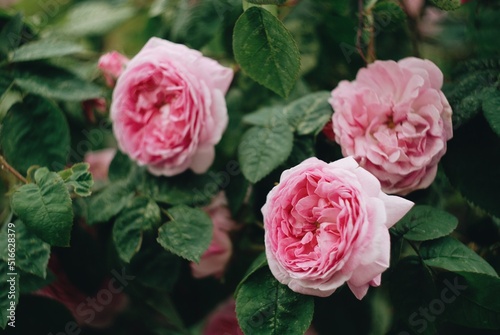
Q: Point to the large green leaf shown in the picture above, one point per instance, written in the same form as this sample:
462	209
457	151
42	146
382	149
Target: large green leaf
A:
471	299
109	202
268	117
141	214
261	150
423	223
9	293
46	48
35	132
188	234
31	253
79	179
264	306
266	51
257	263
54	82
187	188
309	114
45	207
450	254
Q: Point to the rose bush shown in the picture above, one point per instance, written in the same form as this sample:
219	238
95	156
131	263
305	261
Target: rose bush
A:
395	121
327	224
168	108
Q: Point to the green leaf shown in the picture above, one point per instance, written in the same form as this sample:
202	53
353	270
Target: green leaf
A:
109	202
141	214
263	149
491	108
184	189
120	168
447	4
10	36
35	132
452	255
471	164
389	15
471	299
265	306
266	50
166	307
45	208
54	82
257	264
188	234
32	254
79	178
9	293
266	117
30	283
46	48
95	18
309	114
423	223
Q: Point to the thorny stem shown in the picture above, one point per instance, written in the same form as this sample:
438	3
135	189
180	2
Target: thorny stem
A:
5	165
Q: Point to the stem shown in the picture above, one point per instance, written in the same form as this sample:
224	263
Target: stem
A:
4	164
360	30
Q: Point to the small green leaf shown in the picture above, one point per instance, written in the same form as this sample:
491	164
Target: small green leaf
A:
447	4
423	223
452	255
188	234
120	168
31	253
56	83
35	132
261	150
265	306
471	299
266	51
258	263
309	114
45	208
46	48
108	202
388	15
79	178
141	214
491	108
9	293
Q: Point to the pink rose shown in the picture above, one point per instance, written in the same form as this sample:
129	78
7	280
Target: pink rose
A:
77	302
213	262
395	121
112	65
99	162
223	321
327	224
168	108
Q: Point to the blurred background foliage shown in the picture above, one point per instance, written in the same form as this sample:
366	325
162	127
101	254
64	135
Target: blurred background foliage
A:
329	34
